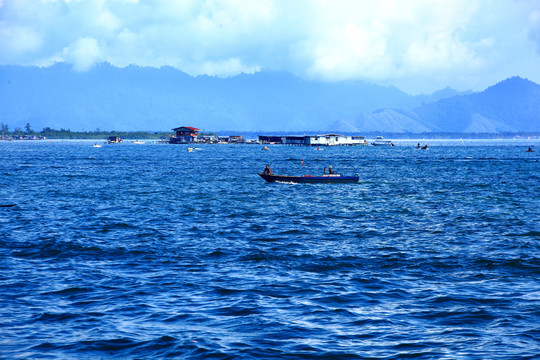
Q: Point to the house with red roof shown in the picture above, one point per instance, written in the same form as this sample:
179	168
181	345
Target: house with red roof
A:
184	134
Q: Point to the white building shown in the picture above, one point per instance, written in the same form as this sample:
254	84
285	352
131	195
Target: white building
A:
334	140
317	140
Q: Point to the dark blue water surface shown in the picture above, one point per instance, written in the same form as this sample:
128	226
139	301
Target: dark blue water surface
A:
150	251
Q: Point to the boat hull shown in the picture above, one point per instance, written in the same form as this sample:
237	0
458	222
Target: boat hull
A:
387	143
325	179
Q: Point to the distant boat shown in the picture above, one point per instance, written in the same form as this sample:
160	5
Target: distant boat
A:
309	179
97	145
379	141
7	205
137	142
114	140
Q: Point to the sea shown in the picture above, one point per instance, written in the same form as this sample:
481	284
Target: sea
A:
149	251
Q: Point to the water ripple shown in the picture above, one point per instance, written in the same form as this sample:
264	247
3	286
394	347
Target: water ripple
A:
154	252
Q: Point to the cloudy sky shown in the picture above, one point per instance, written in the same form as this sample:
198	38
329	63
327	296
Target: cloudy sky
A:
417	45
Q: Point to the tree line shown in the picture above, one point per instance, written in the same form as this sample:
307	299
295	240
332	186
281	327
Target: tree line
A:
50	133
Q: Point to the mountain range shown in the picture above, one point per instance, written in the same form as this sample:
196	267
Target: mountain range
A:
142	98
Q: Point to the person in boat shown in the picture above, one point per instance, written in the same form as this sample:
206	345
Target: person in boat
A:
330	170
267	170
418	146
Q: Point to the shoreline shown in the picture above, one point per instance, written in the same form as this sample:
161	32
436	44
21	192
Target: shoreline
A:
394	137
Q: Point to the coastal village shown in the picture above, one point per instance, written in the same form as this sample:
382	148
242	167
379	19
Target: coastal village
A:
192	135
188	135
21	137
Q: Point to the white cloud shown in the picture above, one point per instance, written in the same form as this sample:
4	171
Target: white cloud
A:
222	68
347	50
419	45
534	29
17	40
108	21
83	54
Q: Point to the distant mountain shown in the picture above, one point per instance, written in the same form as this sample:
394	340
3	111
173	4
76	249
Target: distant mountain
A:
143	98
512	105
383	120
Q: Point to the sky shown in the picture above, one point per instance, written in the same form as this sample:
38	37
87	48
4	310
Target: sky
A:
420	46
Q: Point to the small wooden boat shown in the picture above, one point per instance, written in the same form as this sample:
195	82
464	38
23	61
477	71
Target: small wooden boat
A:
309	179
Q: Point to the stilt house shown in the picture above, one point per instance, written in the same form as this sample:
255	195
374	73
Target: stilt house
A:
184	134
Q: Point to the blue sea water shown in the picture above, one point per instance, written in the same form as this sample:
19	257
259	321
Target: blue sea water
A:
150	251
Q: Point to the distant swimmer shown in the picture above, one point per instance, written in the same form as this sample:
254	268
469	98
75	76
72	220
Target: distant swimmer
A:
529	150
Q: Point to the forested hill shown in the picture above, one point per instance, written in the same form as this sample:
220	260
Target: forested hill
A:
141	98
